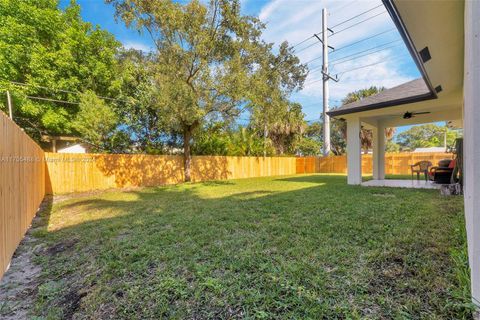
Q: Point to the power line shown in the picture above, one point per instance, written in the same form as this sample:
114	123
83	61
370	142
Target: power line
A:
50	99
354	69
364	55
302	42
354	17
53	100
368	65
353	43
362	67
362	40
339	24
59	90
342	7
366	50
309	46
358	54
356	24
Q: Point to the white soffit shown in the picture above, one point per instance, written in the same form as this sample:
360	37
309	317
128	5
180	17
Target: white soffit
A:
437	25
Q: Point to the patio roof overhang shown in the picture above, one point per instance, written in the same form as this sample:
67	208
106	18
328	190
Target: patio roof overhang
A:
430	32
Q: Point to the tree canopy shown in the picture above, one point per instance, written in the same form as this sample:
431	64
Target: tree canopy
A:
209	60
426	135
48	53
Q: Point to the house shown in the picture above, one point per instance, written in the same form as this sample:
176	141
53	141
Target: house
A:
443	39
64	144
74	148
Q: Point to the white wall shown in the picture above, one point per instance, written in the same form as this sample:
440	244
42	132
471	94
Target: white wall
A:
354	155
379	151
472	140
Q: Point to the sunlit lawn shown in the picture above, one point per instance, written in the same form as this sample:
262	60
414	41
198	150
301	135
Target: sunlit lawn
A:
281	247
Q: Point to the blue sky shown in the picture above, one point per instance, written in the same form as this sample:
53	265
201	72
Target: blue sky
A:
296	20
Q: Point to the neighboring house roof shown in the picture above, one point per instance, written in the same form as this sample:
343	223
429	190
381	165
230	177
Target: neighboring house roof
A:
430	149
409	92
76	148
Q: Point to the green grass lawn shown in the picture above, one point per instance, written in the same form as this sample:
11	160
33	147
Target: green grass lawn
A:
299	247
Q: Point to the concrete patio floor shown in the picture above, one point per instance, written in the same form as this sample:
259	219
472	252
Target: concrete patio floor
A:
415	184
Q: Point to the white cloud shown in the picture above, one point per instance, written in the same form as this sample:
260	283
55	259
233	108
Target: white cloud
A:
137	46
270	8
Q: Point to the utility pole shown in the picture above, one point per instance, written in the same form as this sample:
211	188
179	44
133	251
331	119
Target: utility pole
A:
9	102
325	77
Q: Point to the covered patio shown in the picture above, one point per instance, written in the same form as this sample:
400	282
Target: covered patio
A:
358	116
436	96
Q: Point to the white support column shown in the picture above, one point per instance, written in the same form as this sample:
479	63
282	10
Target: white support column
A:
378	157
354	152
472	141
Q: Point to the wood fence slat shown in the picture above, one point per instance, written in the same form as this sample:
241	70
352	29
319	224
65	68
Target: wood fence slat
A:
22	186
69	173
395	163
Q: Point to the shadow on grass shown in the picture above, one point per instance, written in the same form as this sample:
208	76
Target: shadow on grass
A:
252	248
317	179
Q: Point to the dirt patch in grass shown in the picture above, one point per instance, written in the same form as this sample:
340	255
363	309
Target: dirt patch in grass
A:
20	283
61	247
71	302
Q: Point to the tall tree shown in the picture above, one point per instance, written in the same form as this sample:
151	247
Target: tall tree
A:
203	58
310	144
45	51
366	136
275	79
141	104
426	135
361	94
287	127
96	122
245	142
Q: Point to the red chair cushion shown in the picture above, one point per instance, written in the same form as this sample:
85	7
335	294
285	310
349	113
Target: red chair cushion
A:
452	164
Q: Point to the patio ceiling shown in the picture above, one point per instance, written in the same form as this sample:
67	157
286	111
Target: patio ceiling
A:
446	108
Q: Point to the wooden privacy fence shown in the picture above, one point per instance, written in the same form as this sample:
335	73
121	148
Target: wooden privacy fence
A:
27	173
67	173
395	163
22	186
84	172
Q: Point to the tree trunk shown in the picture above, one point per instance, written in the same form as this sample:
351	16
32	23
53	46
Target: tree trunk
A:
281	146
187	157
265	134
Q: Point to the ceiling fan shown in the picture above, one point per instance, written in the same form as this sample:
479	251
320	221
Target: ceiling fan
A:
409	115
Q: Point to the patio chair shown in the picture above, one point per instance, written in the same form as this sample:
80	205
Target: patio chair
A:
421	167
442	174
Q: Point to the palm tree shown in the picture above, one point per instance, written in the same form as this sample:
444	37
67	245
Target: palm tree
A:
366	136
